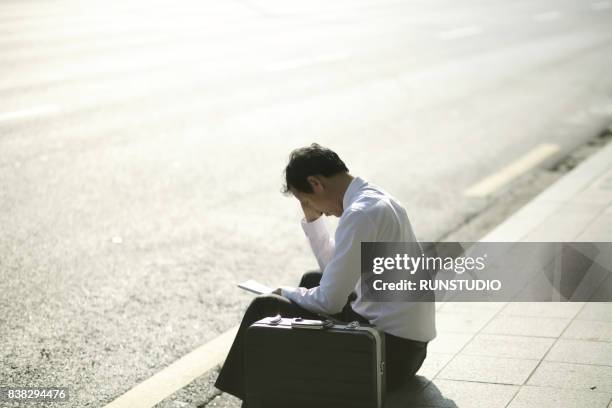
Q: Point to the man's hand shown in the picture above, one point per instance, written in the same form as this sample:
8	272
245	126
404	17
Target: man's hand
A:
310	213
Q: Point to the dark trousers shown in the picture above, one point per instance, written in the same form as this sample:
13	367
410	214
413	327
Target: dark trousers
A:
403	357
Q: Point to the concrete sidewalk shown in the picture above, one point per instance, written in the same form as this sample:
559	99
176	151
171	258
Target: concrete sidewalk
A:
535	355
528	354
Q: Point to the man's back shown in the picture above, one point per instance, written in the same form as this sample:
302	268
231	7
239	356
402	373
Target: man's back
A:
412	320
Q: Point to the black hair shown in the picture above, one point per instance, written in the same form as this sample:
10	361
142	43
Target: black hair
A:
310	161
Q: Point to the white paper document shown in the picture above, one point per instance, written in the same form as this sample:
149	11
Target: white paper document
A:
255	287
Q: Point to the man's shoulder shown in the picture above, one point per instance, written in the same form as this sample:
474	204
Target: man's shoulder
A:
373	199
370	206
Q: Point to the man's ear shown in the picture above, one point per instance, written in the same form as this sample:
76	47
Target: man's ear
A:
316	183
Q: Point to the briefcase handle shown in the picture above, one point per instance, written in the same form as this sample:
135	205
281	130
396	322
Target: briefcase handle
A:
300	323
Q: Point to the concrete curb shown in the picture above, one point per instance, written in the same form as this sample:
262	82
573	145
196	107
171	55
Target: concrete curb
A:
546	204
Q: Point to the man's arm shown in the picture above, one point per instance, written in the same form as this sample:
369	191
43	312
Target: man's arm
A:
343	270
321	242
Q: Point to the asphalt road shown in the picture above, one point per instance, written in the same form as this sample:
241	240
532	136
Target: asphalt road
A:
142	146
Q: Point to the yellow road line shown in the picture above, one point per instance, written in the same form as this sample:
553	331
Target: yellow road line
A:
178	374
495	181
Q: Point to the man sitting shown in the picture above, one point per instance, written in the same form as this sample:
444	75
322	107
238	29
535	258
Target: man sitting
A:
320	180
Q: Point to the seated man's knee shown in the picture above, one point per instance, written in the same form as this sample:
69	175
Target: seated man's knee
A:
311	279
265	300
266	304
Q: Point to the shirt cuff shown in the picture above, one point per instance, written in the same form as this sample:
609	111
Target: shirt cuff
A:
316	228
287	291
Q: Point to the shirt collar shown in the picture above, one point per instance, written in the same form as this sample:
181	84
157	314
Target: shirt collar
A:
351	192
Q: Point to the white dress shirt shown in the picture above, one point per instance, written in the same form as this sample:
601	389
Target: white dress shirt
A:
370	214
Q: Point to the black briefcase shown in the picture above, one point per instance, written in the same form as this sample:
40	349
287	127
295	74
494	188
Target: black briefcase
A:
299	363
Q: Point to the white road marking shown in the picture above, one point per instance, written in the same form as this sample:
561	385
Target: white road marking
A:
330	57
546	16
510	172
302	62
290	64
178	374
41	110
601	110
600	5
579	118
460	33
